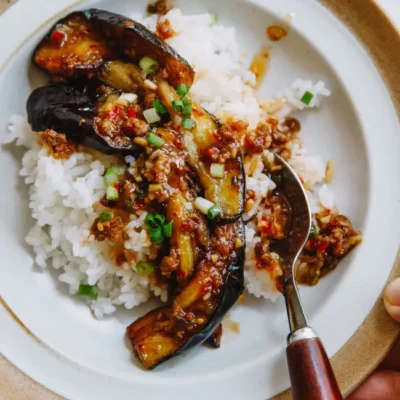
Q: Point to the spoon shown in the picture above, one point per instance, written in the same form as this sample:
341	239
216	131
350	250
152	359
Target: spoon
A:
310	371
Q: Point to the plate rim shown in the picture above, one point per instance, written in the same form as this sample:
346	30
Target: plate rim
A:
351	363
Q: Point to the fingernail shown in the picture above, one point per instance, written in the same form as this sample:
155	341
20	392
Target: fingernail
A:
392	293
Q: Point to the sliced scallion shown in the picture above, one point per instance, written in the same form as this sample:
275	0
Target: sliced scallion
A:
313	232
154	220
167	229
214	19
307	97
187	111
131	97
156	235
177	105
187	123
112	193
203	205
217	170
87	290
149	65
145	267
155	140
151	115
213	212
106	216
182	90
111	176
159	107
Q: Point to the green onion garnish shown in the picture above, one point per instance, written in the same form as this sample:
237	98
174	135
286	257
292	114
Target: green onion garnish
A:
313	232
182	90
87	290
145	267
187	111
111	176
106	216
307	97
187	123
151	115
217	170
159	107
167	229
112	193
203	205
214	19
177	105
156	235
155	140
213	212
149	65
154	220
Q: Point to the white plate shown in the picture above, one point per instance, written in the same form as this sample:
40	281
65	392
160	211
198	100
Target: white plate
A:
82	358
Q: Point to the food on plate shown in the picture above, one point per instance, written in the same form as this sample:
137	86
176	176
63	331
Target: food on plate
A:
151	175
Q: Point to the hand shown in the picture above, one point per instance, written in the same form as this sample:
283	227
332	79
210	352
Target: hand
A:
384	384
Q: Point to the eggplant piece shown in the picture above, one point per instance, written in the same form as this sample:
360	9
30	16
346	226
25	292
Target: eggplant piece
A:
199	308
215	339
68	107
122	75
228	192
72	48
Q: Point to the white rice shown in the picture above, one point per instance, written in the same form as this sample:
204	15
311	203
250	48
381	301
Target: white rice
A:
62	193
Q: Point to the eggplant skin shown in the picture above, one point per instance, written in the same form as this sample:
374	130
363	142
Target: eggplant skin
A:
67	108
149	330
135	41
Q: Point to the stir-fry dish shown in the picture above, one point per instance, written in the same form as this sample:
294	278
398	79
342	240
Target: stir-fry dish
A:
172	172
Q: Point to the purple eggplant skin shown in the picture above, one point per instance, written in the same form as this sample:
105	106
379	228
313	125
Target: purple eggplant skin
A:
134	40
233	289
67	107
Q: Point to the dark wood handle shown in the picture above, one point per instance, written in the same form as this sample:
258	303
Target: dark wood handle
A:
310	371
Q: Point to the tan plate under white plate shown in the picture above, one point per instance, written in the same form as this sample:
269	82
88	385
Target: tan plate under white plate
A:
371	342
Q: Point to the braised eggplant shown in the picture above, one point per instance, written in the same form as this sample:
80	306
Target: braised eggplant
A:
72	48
227	191
80	43
199	308
134	40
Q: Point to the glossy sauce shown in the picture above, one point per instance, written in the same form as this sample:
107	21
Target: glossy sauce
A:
276	33
259	65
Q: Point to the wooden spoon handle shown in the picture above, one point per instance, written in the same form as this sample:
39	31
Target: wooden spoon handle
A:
310	371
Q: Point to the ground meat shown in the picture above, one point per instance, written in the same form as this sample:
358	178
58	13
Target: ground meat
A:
164	29
159	7
258	139
149	98
137	126
321	254
112	230
281	137
57	144
170	263
272	224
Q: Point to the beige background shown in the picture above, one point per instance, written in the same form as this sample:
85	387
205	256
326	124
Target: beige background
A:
378	331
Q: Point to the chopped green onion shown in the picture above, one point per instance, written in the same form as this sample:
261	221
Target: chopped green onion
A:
177	105
149	65
182	90
87	290
307	97
187	111
156	235
112	193
155	140
213	212
145	267
160	107
217	170
188	123
111	176
313	232
203	205
214	19
130	97
187	102
167	229
106	216
154	220
151	115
